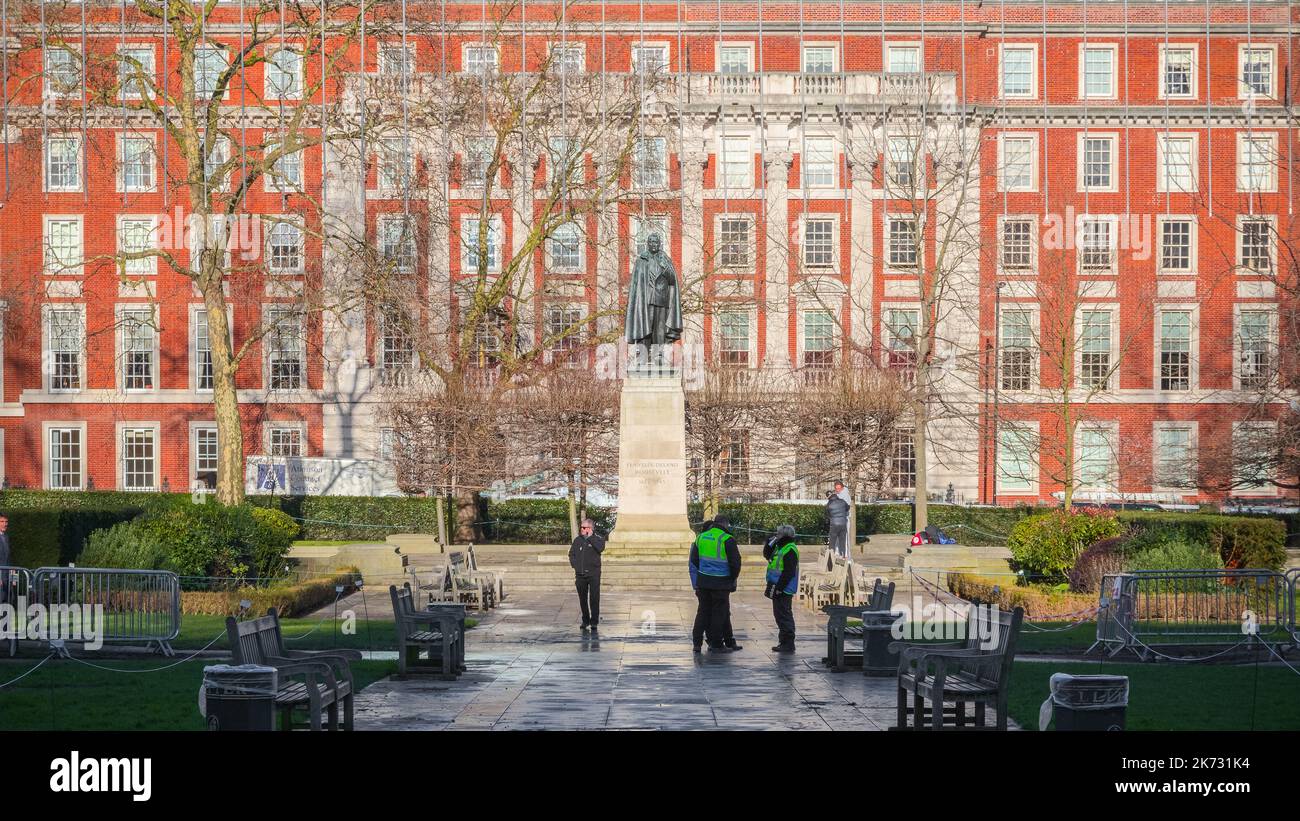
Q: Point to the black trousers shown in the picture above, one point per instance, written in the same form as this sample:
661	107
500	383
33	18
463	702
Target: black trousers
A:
712	617
783	612
589	597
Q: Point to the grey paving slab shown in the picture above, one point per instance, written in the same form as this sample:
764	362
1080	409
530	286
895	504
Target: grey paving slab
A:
531	668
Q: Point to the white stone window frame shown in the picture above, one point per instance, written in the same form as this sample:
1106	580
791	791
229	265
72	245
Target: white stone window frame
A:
122	66
1111	429
823	270
381	223
1194	249
120	176
1253	307
581	266
119	317
292	424
388	152
1113	221
888	333
1031	437
1162	176
886	238
571	358
808	304
226	54
1080	144
1244	91
750	310
1033	70
484	47
119	439
1193	448
1196	71
194	428
74	138
638	184
724	183
805	145
1112	371
558	63
751	247
193	344
48	91
1194	346
275	183
901	45
469	244
638	46
1271	220
1113	48
47	348
46	457
1032	137
150	263
269	223
746	45
1035	348
223	148
294	94
837	64
1033	220
47	266
1272	160
267	311
384	58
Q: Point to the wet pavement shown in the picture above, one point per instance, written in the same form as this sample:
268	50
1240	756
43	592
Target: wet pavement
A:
532	668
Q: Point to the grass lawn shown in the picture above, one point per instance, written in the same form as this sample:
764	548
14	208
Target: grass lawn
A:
1176	696
65	695
301	634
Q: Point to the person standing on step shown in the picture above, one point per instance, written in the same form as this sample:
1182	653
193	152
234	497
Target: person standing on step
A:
584	558
782	556
714	567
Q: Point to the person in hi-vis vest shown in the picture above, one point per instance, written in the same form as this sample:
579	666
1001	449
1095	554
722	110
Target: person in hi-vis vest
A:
782	556
715	566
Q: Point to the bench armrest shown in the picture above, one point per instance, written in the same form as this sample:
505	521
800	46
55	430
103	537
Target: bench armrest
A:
310	669
339	659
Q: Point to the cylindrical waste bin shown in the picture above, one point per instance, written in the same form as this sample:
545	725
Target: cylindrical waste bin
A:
238	697
877	635
1086	702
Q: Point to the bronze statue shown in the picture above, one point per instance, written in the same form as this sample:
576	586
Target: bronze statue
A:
654	302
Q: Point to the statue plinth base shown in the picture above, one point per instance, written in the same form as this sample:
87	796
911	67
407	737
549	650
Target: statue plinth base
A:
652	469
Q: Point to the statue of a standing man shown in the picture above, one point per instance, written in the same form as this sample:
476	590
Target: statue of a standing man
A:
654	303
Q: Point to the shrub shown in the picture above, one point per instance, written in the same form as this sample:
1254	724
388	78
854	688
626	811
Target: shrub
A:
361	518
1048	545
289	599
271	539
125	545
1101	559
1038	601
1173	555
1241	541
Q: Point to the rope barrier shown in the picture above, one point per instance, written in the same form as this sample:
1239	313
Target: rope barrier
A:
28	673
338	595
188	658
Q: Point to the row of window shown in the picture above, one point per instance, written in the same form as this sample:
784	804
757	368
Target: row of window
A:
138	337
1098	348
1097	242
138	73
1099	464
1176	162
137	165
139	447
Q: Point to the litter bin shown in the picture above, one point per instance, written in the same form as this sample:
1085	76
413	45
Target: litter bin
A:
238	697
877	635
1085	703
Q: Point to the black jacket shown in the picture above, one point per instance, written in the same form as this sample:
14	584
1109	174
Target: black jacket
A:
733	563
584	554
837	510
4	549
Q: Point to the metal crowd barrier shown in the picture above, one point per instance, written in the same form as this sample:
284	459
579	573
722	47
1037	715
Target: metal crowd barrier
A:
1151	608
15	584
1293	602
139	606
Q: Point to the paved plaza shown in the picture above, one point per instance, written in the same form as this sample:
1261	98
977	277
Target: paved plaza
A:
531	668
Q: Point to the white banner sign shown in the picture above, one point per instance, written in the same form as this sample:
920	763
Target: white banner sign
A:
301	476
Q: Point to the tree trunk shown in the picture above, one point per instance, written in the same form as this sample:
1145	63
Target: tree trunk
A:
440	508
466	515
573	510
225	402
919	452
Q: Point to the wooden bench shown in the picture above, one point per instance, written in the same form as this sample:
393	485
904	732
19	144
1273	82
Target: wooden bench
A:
815	573
315	680
496	576
439	631
470	587
434	582
831	588
961	672
871	613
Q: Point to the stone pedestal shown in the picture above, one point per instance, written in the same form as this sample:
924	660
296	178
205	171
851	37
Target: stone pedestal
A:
652	469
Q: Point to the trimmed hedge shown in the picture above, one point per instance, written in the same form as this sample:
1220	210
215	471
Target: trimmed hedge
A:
1242	541
361	518
289	600
1038	602
48	528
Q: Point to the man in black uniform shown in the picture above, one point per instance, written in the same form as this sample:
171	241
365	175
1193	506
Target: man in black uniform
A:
584	558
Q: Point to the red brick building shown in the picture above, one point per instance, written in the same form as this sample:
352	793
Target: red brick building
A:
1121	177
